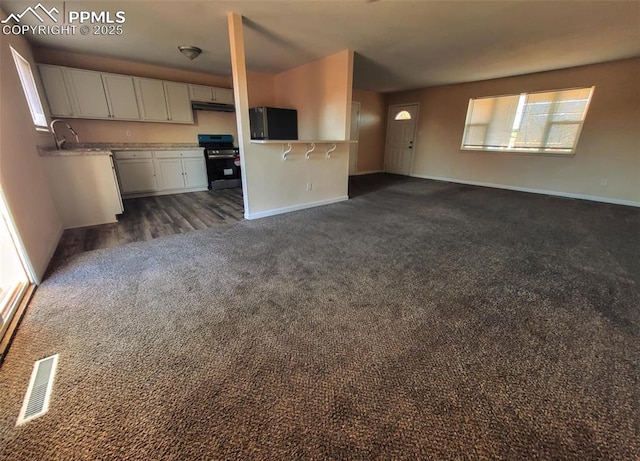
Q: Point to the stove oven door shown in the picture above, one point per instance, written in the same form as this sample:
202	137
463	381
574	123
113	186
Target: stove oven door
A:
223	171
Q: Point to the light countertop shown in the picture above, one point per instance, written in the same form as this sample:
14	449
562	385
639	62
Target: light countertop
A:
76	149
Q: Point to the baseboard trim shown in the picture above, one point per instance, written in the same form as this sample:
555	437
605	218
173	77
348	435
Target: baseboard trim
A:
163	192
592	198
360	173
288	209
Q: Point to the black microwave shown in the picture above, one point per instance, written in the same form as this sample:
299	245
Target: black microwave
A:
273	123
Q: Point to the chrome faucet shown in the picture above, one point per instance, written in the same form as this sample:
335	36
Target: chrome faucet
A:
60	142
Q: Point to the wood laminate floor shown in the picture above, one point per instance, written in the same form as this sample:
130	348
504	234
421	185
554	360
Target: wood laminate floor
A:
151	217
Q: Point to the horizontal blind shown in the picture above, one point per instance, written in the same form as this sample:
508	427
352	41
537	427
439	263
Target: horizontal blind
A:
547	121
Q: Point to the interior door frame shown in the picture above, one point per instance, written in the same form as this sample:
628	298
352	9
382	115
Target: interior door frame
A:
359	105
415	130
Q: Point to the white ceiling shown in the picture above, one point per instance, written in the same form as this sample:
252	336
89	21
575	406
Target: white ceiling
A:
398	44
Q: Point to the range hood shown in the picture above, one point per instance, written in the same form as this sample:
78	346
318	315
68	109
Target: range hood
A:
212	106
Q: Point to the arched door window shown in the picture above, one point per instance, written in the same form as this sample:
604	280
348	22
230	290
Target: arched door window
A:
403	115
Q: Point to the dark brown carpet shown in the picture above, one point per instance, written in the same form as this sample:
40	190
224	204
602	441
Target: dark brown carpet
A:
419	320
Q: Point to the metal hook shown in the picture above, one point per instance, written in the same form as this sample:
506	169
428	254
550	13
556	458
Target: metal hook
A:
307	154
286	151
331	150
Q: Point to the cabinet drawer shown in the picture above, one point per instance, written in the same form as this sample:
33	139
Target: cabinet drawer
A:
180	153
128	154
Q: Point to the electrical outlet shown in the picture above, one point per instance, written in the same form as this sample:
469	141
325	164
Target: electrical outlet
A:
128	133
604	181
309	185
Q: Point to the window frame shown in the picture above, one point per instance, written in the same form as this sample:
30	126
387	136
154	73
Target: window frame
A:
399	117
29	85
539	151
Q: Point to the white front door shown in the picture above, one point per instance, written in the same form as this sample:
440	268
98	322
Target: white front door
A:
401	129
355	134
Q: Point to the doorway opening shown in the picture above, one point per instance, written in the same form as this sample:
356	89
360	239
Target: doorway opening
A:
15	282
354	135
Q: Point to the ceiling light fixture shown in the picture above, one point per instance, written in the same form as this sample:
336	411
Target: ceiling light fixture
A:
191	52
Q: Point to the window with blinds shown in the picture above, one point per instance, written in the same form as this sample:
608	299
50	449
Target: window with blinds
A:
30	90
547	122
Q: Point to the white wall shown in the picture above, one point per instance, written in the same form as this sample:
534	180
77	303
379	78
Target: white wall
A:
22	175
606	164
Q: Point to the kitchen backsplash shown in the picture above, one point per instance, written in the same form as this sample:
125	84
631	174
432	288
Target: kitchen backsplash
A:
112	131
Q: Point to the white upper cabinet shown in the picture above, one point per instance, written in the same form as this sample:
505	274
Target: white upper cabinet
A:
88	94
151	99
223	95
178	103
121	97
56	91
88	98
202	93
78	93
161	101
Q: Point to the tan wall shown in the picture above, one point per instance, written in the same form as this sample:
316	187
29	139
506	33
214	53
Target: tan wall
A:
371	137
22	174
273	185
116	131
319	91
261	89
608	150
323	101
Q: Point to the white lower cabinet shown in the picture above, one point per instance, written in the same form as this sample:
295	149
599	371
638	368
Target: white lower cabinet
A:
137	176
84	189
136	171
195	172
145	173
171	173
181	169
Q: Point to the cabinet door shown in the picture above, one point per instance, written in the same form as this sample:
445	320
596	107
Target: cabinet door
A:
136	175
117	198
151	99
83	189
88	97
223	95
121	96
170	173
178	102
195	172
56	91
201	93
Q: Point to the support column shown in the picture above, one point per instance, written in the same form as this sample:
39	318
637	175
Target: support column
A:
241	95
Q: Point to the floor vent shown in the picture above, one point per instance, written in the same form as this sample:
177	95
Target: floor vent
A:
36	401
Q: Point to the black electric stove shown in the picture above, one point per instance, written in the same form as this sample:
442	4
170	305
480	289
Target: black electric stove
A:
222	159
